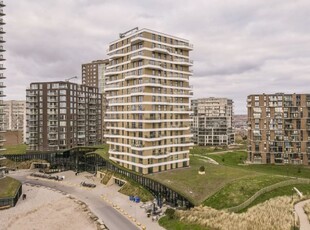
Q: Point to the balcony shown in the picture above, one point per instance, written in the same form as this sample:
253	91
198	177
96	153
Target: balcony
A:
2	22
2	67
183	45
182	61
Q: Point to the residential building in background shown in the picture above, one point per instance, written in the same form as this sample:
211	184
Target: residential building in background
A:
15	121
279	128
2	68
212	120
148	93
240	125
62	115
14	114
93	74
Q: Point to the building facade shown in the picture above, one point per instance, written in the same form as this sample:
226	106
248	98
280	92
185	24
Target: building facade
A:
15	121
62	115
279	128
148	93
14	114
93	74
2	68
212	121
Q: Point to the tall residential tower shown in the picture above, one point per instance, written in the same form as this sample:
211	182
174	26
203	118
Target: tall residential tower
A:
2	139
279	128
148	94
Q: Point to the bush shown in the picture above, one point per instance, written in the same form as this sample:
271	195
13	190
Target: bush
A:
170	213
202	168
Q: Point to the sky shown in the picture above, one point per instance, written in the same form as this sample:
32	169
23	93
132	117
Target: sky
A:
241	47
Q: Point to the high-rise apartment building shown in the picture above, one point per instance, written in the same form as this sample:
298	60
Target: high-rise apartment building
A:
2	139
93	74
279	128
212	121
148	94
14	114
62	115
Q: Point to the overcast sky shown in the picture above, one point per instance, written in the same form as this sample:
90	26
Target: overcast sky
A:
241	47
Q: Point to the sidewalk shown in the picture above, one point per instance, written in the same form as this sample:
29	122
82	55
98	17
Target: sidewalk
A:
303	219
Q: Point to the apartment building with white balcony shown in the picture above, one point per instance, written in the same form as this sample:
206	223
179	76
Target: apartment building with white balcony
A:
62	115
212	121
147	89
2	68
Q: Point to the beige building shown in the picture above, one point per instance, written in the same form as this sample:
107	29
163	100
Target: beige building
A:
212	121
2	68
15	111
279	128
62	115
15	119
148	94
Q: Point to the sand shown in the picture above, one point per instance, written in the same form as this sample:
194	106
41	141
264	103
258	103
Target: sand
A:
45	209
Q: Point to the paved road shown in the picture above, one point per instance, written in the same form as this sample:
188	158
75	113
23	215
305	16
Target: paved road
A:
303	219
111	218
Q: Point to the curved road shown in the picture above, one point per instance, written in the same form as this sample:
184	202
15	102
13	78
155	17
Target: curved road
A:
111	218
303	219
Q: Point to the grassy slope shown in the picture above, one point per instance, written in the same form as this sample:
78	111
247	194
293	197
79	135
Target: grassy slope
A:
198	187
283	191
8	187
239	191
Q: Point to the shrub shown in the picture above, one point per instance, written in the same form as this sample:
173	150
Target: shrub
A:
202	168
170	213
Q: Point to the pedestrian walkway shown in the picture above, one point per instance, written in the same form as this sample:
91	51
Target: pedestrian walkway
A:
303	219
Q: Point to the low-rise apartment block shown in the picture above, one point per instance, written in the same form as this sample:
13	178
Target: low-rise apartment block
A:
62	115
212	121
279	128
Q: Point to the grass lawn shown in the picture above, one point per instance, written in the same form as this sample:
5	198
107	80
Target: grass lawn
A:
176	224
234	159
14	149
198	187
8	187
239	191
283	191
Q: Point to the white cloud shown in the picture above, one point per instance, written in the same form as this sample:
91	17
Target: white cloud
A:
240	47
